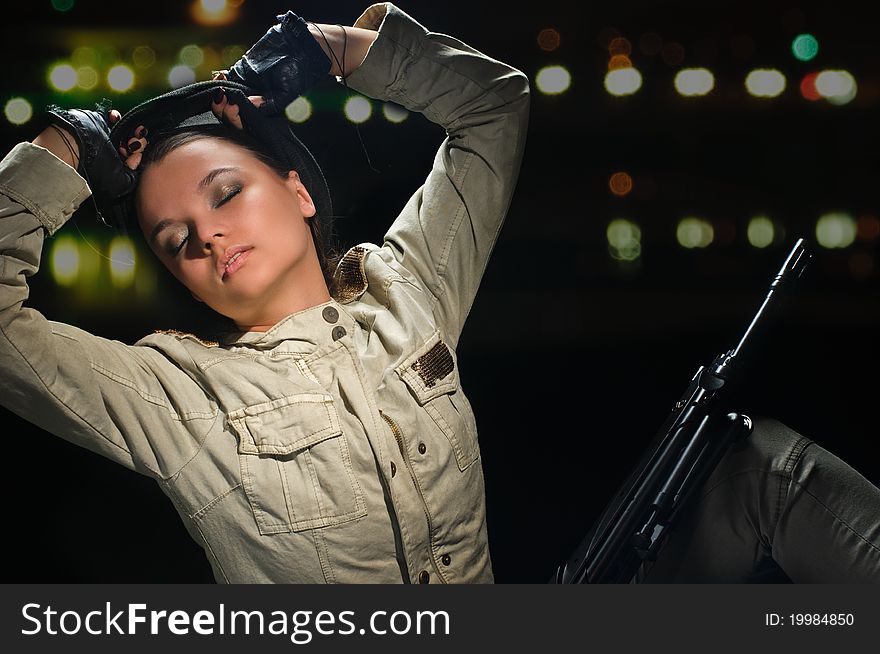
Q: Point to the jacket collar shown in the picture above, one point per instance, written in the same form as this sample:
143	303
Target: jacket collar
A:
303	331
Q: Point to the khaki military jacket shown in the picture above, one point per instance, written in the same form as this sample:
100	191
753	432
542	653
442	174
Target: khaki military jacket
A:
338	446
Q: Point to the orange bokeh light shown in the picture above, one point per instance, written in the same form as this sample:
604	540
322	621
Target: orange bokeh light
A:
620	46
548	39
620	184
619	61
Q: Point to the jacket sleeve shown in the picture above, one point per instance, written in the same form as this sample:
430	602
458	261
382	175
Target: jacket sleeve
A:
446	232
127	403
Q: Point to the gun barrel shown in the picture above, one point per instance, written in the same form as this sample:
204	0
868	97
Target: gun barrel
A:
791	271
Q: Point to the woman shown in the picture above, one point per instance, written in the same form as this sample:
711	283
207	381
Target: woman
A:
328	440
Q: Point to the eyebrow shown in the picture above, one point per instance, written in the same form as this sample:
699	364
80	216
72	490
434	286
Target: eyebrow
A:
210	177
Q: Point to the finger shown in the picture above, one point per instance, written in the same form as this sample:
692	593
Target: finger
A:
218	103
232	115
136	144
218	74
114	115
257	100
134	160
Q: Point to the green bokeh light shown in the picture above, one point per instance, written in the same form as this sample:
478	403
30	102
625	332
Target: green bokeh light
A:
62	5
805	47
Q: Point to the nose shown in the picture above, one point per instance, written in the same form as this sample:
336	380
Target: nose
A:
209	234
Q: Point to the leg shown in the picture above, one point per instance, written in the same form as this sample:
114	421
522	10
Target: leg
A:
777	507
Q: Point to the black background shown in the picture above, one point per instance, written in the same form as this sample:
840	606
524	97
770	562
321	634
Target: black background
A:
570	361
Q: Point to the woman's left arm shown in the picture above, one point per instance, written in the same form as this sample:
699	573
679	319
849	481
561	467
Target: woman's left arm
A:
447	231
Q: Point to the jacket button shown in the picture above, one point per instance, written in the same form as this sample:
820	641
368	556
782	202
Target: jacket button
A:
422	448
446	559
338	332
393	469
330	314
424	577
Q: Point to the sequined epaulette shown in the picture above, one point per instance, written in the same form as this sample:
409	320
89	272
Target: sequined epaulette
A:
180	334
351	281
434	364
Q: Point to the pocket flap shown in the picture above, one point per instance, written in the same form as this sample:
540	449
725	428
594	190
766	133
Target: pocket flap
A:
430	371
285	425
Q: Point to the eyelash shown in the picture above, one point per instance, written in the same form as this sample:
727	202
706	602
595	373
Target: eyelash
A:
232	193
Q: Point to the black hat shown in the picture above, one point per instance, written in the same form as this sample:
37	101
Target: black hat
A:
189	106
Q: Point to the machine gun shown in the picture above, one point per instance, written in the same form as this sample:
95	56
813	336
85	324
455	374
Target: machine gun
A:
687	448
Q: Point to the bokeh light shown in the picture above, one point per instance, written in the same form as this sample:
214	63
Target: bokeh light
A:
623	81
624	240
86	77
620	46
761	232
619	61
672	54
192	56
868	228
214	12
548	39
836	230
231	54
620	183
765	83
694	81
394	113
181	75
553	80
836	86
18	111
805	47
64	260
808	87
122	261
85	56
62	77
143	56
693	232
62	5
358	109
299	111
120	78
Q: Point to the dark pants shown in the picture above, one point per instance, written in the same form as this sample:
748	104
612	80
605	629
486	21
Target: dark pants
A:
778	507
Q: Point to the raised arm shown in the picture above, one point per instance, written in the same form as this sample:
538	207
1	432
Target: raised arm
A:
447	231
128	403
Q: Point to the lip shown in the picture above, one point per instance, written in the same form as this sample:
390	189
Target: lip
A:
227	255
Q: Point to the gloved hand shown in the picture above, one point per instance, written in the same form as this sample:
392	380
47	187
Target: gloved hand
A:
285	63
100	163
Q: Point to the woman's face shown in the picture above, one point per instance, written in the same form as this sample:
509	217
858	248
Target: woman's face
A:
209	199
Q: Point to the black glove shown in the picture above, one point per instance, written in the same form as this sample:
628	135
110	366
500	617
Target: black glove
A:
285	63
99	162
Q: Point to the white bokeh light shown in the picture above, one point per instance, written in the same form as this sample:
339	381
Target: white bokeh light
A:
181	75
623	81
120	78
298	111
553	80
358	109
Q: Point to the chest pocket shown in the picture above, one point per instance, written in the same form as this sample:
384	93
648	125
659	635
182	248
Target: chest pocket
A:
295	464
430	374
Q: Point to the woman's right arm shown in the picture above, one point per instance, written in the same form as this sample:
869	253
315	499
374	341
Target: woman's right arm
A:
128	403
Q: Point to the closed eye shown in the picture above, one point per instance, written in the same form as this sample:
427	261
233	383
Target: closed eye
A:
232	193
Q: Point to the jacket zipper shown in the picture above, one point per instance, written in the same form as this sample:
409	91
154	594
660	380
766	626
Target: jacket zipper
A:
399	438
